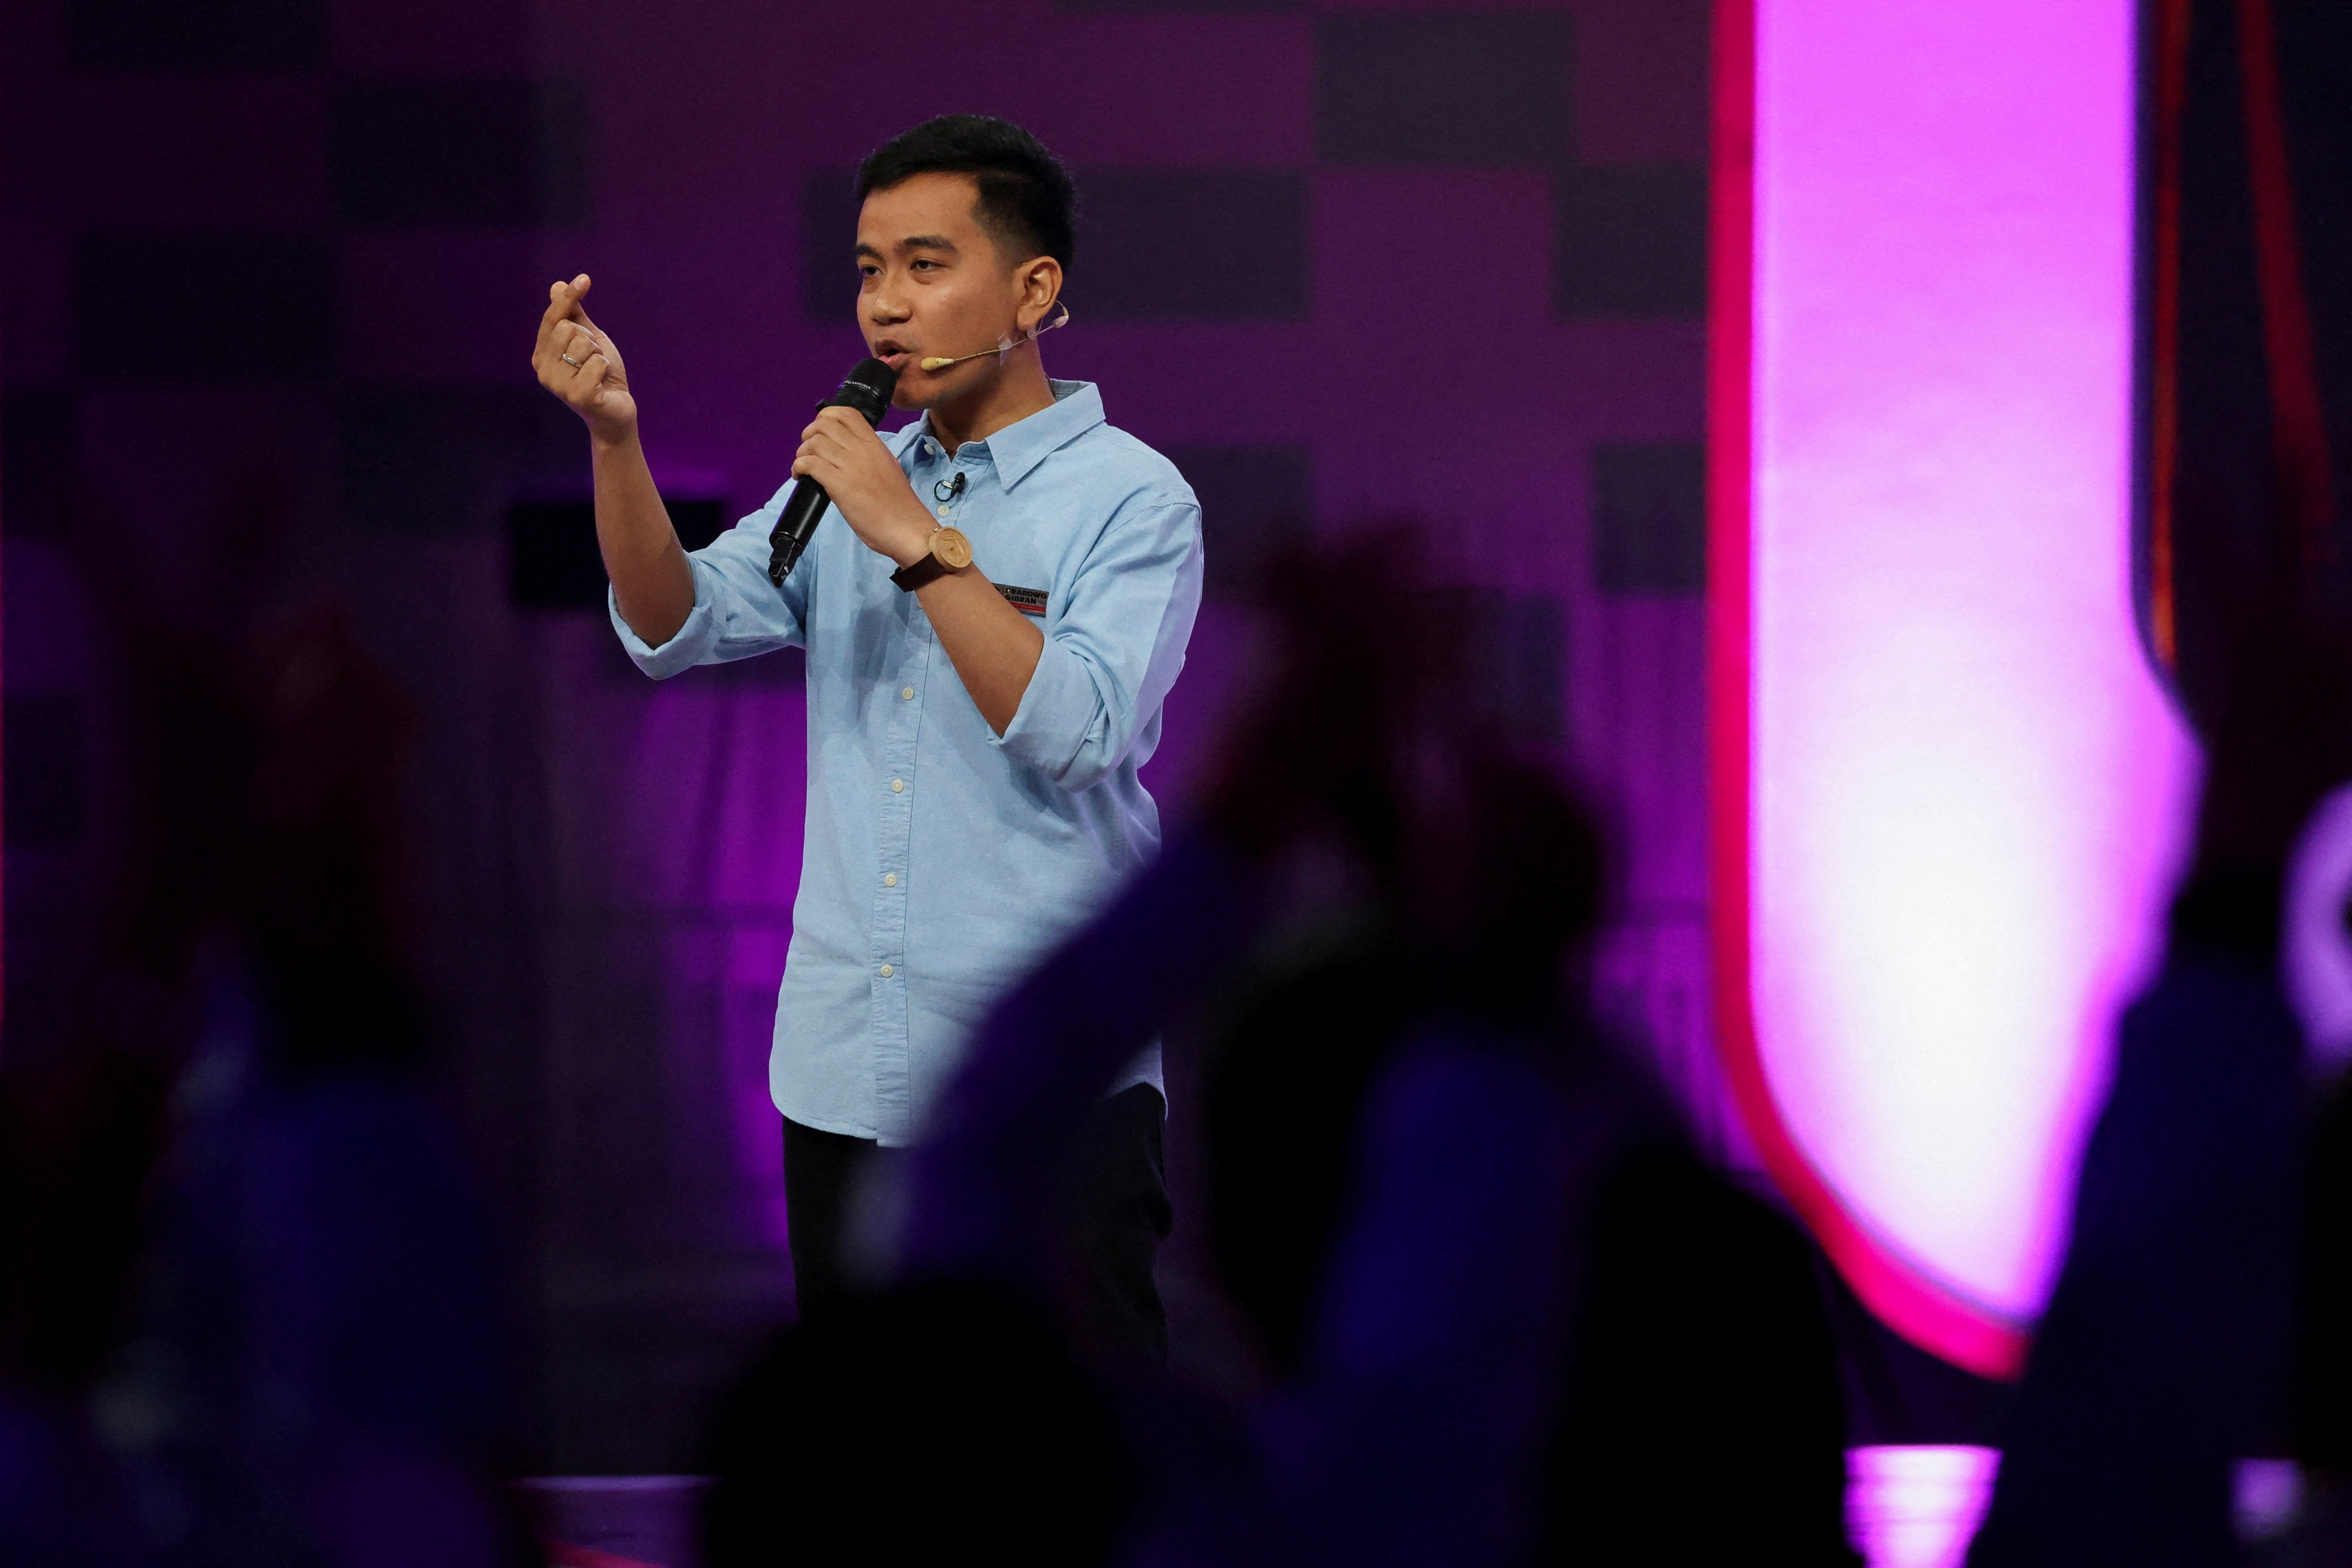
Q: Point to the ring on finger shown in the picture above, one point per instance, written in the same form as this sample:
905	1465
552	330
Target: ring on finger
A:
567	359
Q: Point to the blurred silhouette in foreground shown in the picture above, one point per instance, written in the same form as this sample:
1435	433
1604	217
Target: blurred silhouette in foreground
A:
2319	1413
249	1305
2167	1347
1495	1309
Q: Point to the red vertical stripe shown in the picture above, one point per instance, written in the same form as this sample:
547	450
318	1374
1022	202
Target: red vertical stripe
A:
1730	365
2298	426
2164	348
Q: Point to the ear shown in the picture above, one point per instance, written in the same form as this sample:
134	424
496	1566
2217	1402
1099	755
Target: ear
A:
1039	281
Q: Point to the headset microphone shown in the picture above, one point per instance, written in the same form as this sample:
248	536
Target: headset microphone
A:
936	362
867	390
1004	345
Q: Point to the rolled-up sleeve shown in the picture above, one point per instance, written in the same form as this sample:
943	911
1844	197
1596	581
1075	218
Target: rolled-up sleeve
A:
737	611
1115	650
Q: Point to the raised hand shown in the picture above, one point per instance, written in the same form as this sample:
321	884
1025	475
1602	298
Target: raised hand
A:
581	365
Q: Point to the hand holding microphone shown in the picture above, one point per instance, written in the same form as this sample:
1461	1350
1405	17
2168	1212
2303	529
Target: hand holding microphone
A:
842	461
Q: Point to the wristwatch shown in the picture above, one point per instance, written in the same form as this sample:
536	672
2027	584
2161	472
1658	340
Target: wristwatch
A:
950	552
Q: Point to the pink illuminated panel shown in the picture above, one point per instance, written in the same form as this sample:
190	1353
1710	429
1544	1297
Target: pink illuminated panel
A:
1963	785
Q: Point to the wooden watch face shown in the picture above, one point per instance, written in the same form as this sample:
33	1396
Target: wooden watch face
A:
952	549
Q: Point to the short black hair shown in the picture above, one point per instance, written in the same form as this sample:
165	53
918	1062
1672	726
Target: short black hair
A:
1027	202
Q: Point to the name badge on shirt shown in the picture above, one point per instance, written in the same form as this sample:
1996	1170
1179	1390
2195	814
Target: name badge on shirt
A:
1028	601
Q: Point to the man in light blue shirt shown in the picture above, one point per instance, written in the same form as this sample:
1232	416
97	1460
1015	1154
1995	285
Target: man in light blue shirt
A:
976	721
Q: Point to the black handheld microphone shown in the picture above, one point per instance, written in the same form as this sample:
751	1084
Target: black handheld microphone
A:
867	390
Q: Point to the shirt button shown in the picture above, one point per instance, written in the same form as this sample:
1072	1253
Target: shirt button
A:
897	786
888	972
889	878
944	512
906	694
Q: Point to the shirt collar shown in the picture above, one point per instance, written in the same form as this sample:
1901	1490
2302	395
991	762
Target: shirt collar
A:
1026	443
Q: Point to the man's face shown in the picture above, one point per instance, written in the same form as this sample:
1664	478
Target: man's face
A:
935	284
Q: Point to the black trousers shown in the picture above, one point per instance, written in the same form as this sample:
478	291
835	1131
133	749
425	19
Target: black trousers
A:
1115	1207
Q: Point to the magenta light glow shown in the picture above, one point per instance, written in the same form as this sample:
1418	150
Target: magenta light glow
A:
1916	1507
1956	785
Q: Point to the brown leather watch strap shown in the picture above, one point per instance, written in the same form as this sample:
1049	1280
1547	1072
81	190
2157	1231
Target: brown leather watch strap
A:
929	569
950	552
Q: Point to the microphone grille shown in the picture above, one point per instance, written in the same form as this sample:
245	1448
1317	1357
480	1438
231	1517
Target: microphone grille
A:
868	389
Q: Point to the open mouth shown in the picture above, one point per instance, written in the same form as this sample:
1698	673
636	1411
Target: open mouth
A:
894	353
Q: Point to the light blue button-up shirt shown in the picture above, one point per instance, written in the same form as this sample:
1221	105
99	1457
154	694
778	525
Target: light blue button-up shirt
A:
941	860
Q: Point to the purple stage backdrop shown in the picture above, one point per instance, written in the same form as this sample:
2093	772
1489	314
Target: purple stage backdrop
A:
1340	262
